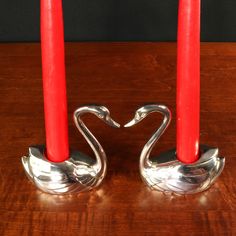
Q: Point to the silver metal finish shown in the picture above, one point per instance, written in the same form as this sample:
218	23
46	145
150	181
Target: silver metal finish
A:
79	172
165	173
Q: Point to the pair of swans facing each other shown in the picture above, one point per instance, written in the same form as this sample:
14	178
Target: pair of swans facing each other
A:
81	172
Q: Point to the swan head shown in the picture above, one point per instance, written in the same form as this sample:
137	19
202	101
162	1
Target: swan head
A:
104	114
100	111
144	111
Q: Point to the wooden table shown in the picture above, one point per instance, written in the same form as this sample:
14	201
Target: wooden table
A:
121	76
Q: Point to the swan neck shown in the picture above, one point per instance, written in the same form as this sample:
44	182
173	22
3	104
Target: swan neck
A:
145	161
99	153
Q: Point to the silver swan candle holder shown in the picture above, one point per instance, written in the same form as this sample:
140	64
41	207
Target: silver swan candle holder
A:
80	172
165	172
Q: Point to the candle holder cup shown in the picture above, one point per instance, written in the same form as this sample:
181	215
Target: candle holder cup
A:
80	172
165	172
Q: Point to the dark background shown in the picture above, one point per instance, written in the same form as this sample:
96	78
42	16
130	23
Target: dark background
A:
117	20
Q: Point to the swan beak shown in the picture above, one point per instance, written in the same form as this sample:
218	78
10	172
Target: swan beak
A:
112	123
131	123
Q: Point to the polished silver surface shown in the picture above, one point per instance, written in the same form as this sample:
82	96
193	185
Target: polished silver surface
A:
165	173
80	172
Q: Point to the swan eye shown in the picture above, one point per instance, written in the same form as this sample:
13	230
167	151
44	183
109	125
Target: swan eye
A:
142	115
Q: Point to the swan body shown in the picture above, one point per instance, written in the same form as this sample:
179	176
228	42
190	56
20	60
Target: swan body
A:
78	173
165	172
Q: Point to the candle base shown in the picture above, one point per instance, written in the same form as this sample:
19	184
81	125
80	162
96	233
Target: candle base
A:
165	172
77	174
80	172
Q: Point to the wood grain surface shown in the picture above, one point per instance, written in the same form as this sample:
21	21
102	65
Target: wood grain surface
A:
123	77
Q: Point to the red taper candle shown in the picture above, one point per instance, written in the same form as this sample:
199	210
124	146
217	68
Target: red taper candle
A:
54	83
188	81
